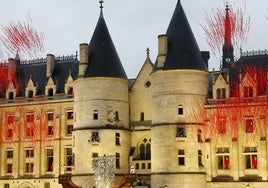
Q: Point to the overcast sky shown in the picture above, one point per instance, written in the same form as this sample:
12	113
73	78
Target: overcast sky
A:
133	24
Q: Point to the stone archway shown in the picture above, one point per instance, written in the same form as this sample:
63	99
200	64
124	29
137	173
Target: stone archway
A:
26	185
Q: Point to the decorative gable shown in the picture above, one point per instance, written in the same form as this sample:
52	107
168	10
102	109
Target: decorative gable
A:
69	86
50	88
30	90
11	91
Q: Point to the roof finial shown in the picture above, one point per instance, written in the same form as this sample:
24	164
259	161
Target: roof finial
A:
101	2
148	52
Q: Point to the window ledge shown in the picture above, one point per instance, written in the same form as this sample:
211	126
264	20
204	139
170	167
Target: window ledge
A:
181	139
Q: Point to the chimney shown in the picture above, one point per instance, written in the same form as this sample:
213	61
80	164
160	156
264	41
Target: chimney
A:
162	50
12	69
50	64
83	59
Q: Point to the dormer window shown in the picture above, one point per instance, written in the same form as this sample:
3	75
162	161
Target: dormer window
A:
50	93
10	95
70	91
30	94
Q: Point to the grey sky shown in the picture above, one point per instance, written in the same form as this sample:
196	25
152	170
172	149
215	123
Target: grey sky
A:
134	25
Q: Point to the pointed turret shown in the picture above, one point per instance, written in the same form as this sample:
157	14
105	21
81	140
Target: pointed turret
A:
228	50
182	49
103	60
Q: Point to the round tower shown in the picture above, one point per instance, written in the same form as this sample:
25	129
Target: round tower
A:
101	104
179	89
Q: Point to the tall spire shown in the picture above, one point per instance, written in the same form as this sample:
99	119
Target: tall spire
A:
183	51
103	60
228	50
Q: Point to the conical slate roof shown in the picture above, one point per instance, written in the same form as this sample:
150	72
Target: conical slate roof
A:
183	51
103	60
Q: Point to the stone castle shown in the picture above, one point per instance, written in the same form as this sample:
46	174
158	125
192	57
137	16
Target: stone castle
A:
178	124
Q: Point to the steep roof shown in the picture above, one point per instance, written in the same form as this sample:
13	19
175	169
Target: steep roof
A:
183	51
103	60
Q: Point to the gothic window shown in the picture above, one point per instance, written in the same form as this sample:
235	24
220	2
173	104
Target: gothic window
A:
181	157
142	151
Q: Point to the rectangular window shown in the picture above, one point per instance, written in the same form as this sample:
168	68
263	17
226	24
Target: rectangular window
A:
68	159
70	115
95	155
29	131
181	131
9	154
9	133
69	129
137	166
50	159
117	160
221	93
10	119
251	158
117	139
143	166
6	185
29	152
199	135
50	130
29	168
180	109
50	116
9	168
223	158
221	125
149	165
200	163
95	137
249	124
95	115
181	157
248	92
142	116
30	118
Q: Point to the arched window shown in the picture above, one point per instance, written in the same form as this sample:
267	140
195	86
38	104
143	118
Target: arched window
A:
30	94
142	151
148	151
